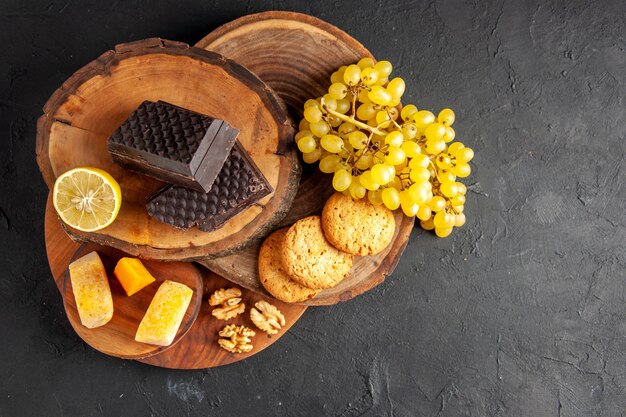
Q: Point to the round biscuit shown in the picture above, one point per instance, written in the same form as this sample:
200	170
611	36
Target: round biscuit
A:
310	259
273	278
357	226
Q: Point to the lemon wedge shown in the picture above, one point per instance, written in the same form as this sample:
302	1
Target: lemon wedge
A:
88	199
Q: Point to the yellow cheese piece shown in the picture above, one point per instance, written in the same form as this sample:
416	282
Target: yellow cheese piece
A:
91	291
164	315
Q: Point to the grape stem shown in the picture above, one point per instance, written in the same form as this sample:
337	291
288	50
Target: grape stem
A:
352	120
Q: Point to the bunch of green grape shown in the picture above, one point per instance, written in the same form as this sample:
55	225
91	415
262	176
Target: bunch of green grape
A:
400	158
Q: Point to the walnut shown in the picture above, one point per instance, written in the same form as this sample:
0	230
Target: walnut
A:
230	302
236	338
267	317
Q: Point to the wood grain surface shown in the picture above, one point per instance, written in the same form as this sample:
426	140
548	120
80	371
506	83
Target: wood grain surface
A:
92	103
198	348
295	55
117	337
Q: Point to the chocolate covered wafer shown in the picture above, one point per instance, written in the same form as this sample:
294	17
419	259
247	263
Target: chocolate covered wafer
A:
173	144
238	185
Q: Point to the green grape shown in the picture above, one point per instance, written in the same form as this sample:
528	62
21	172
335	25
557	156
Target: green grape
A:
383	119
461	188
462	170
365	161
372	122
346	128
307	144
443	219
379	95
464	155
319	129
312	114
311	103
405	198
393	113
458	200
366	111
342	180
302	134
369	76
392	171
419	174
347	146
384	68
332	143
435	131
352	75
446	176
395	156
424	213
419	160
454	148
458	209
303	125
380	174
459	220
396	87
409	131
419	194
343	106
356	189
395	101
375	197
391	198
443	161
363	96
337	90
396	183
394	138
357	139
368	182
427	224
410	209
435	147
337	76
437	203
328	163
382	81
312	157
334	121
329	101
423	118
446	116
408	111
366	62
449	135
411	149
449	188
443	232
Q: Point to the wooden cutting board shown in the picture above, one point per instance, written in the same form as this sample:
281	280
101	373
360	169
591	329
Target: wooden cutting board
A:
295	54
198	348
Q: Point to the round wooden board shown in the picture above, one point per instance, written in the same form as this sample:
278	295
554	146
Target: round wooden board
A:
117	337
80	116
295	55
198	349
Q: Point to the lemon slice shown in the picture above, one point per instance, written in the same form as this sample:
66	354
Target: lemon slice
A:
88	199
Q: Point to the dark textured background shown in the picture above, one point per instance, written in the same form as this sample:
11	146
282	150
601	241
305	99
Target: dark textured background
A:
520	313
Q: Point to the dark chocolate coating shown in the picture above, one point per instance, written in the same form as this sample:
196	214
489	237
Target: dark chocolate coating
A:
238	185
173	144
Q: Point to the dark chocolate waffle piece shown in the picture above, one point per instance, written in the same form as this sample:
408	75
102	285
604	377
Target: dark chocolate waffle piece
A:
173	144
238	185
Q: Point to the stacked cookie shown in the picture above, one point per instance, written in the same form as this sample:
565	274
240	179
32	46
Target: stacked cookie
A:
317	253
